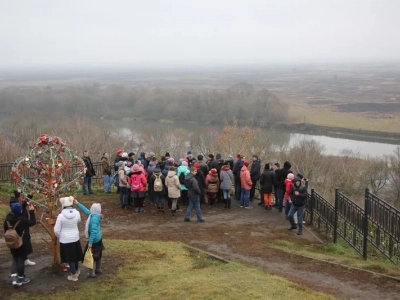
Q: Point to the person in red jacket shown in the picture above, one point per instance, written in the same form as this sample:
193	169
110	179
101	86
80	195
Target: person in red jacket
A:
288	190
246	183
138	182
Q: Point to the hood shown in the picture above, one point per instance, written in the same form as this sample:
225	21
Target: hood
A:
171	174
297	179
95	208
244	169
213	176
287	165
69	212
137	172
218	156
183	168
151	167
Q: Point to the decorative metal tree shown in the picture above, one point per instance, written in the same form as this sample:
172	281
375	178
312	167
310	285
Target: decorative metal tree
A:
49	170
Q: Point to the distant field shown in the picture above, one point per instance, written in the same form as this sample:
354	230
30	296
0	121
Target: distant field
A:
326	116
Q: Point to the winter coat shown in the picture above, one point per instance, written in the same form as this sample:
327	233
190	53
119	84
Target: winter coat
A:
23	227
89	167
281	175
200	179
116	160
298	200
123	179
237	168
226	179
245	179
255	171
288	189
105	165
95	234
173	185
192	186
230	162
150	169
191	161
267	181
185	171
152	178
66	228
212	183
203	167
166	169
142	178
143	160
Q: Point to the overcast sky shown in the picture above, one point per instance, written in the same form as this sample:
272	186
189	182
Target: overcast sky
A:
58	32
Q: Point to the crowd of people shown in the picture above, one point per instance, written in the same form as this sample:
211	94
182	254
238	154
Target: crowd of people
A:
190	182
194	182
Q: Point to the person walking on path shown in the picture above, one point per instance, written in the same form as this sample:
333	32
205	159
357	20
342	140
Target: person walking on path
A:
194	195
298	196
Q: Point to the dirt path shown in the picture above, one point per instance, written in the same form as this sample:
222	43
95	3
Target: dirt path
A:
237	234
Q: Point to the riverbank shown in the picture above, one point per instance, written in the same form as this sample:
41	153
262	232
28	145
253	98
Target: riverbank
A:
340	132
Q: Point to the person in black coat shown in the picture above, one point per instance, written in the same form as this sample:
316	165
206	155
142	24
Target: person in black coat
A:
266	186
89	173
255	172
201	180
236	173
281	175
203	166
20	254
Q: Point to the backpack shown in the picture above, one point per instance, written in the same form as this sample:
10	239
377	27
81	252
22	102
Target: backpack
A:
12	238
136	184
158	186
182	178
116	180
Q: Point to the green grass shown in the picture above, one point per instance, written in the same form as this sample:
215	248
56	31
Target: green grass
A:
167	270
340	253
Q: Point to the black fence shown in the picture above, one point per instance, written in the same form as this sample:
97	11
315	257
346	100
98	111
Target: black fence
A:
376	226
5	173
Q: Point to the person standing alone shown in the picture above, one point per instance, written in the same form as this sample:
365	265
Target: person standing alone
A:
89	173
107	179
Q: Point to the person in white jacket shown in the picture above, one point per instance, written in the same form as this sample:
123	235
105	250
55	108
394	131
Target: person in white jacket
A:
66	229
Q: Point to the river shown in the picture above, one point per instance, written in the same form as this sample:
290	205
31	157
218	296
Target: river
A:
332	145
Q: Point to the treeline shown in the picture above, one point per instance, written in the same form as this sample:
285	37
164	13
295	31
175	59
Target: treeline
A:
241	102
350	172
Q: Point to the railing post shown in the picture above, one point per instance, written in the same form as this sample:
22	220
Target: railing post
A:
312	207
335	222
365	224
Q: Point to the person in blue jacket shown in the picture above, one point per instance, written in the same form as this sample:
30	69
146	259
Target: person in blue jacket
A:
93	234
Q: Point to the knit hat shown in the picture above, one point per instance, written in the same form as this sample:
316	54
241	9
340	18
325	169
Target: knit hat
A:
246	163
167	154
185	159
213	171
67	201
120	151
135	168
152	153
189	152
121	164
130	154
299	176
290	176
196	165
124	154
184	163
171	160
128	163
157	170
16	208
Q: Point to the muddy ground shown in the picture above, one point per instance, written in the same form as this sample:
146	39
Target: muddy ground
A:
237	234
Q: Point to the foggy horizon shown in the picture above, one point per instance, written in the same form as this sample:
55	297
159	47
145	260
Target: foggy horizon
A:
224	33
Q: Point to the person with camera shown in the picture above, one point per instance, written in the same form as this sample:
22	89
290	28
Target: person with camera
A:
22	246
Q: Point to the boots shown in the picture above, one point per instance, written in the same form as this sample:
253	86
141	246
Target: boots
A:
228	203
98	269
173	213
